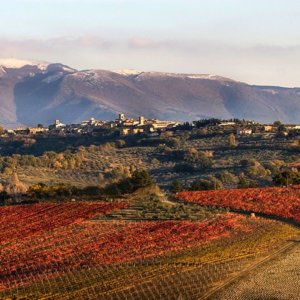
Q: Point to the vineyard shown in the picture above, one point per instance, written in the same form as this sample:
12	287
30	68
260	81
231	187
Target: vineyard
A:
67	251
43	240
281	202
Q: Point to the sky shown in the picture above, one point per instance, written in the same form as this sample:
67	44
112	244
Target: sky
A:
254	41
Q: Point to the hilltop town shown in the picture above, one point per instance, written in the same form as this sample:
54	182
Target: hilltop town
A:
123	126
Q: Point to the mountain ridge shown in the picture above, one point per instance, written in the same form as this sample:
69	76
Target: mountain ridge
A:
40	92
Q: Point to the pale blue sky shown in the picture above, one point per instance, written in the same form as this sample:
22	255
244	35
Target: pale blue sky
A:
253	41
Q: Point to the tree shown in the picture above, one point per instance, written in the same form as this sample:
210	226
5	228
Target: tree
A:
101	180
176	187
113	190
197	158
211	183
57	190
155	162
173	142
251	162
57	165
232	140
125	186
215	183
141	179
191	155
277	123
244	182
3	196
128	185
227	177
15	187
286	178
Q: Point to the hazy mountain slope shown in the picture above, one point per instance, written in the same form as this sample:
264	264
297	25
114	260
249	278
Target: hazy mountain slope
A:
9	78
39	93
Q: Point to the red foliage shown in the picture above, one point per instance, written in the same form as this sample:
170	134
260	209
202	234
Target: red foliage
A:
282	202
44	240
26	220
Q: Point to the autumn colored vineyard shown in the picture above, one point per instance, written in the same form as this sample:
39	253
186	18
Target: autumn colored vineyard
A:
64	251
28	220
277	201
44	240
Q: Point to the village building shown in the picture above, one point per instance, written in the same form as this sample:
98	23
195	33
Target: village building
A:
141	125
36	130
224	124
21	131
157	124
292	127
268	128
57	124
244	131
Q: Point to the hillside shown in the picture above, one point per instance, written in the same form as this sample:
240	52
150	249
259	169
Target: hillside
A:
32	92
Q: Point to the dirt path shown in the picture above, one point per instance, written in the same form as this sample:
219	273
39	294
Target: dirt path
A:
169	202
276	277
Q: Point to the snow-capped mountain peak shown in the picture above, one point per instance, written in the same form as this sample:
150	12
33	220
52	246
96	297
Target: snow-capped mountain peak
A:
128	72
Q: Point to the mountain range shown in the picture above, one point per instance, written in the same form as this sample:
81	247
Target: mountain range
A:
36	92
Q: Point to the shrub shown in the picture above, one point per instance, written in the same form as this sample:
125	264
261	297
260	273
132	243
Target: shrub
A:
227	177
212	183
286	178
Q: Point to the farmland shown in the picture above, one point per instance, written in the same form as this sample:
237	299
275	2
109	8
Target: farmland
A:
72	251
274	201
101	221
37	239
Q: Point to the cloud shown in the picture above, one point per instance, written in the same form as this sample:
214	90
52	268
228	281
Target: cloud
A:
142	43
188	46
258	64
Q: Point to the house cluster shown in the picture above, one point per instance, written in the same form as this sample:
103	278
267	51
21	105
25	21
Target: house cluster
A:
240	129
124	126
85	127
151	127
248	128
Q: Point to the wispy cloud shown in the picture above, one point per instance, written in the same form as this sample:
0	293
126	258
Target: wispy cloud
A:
259	64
